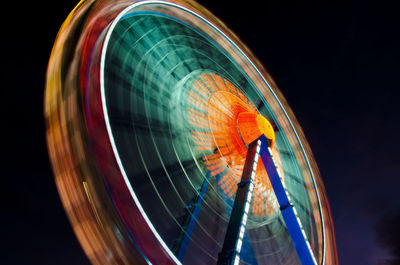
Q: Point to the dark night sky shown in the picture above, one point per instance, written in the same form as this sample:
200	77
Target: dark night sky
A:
337	63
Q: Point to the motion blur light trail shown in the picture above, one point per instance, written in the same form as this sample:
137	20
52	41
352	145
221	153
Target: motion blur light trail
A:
223	124
150	107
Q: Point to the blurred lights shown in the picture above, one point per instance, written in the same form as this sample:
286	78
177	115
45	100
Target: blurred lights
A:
108	218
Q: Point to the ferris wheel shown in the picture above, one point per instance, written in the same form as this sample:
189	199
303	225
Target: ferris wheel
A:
171	144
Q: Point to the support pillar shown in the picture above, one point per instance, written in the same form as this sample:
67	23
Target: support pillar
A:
230	254
288	210
189	220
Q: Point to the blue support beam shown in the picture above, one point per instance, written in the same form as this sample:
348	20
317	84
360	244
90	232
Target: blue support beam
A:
288	210
189	222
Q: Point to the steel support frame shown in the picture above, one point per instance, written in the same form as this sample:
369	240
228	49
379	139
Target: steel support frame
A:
230	254
190	219
288	210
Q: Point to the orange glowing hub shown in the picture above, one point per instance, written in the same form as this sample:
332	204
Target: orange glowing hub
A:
223	123
252	125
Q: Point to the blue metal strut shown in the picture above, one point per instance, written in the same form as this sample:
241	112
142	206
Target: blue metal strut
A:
189	221
288	210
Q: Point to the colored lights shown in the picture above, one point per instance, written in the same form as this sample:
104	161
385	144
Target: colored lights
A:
252	125
223	109
150	108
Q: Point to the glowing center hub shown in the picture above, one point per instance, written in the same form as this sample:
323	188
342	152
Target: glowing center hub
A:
223	123
252	125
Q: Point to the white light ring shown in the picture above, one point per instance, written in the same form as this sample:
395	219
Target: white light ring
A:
108	126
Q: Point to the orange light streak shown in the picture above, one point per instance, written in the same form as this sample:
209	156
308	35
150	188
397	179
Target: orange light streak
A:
224	123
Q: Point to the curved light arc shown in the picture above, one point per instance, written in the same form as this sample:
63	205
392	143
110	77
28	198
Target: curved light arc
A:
111	137
110	134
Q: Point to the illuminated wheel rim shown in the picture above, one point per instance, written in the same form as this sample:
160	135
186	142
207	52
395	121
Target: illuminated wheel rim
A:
156	92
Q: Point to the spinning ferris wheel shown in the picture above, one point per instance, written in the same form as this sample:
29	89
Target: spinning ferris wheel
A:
170	143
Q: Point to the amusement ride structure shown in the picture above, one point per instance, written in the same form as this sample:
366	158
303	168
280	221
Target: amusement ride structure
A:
171	144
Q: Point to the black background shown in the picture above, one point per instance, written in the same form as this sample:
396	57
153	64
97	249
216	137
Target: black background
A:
337	63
